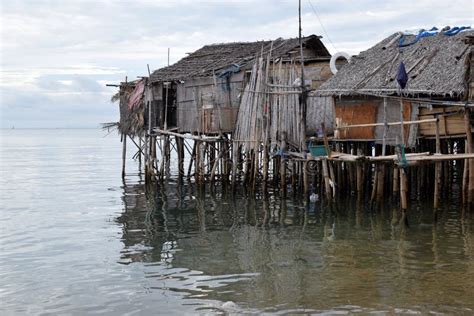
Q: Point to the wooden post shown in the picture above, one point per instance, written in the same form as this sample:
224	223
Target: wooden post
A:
226	160
465	179
124	153
437	170
469	149
403	176
403	191
193	158
396	181
140	153
180	150
167	154
327	184
305	181
359	178
283	165
235	162
265	168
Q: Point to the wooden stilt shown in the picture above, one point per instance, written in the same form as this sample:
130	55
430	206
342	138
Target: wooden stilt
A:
403	191
470	150
283	165
305	181
124	153
180	150
327	184
465	177
193	159
437	181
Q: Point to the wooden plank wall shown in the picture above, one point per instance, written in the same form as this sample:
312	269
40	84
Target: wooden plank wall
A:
393	115
451	125
319	110
208	108
350	112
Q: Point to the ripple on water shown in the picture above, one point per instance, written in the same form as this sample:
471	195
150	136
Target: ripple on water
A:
75	239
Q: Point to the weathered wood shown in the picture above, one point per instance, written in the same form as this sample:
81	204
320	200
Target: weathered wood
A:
396	182
124	154
283	165
469	150
327	184
188	136
193	159
388	124
403	190
437	170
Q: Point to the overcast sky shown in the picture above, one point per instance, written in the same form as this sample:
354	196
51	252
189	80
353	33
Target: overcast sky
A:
57	56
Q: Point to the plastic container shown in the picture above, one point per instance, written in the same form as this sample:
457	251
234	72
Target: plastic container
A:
318	150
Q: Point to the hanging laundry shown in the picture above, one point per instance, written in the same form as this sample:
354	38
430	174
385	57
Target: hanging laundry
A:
402	76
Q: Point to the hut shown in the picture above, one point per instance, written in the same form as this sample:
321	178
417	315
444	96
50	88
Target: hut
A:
434	107
437	67
201	92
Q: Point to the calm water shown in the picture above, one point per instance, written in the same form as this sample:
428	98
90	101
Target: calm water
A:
74	239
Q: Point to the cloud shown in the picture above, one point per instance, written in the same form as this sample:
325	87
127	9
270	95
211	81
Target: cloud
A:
58	55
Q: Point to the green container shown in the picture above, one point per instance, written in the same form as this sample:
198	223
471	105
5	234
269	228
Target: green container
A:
318	150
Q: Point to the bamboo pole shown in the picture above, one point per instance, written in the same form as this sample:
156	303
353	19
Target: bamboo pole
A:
327	184
193	159
193	137
469	149
403	177
124	153
465	179
388	124
437	170
283	165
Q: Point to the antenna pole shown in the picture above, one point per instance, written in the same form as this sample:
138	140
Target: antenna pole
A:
303	87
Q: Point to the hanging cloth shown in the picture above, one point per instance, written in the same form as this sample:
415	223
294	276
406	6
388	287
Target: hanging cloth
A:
402	76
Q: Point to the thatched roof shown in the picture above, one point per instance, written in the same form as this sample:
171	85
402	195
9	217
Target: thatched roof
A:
217	57
436	65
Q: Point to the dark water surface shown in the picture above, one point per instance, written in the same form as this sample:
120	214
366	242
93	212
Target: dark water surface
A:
75	240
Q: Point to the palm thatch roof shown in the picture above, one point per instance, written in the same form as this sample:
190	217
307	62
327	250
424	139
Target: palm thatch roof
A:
436	66
217	57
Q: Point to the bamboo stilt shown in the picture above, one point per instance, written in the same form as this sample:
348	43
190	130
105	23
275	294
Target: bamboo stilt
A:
470	150
327	184
124	154
437	181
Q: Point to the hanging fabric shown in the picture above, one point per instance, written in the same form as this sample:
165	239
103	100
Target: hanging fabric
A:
402	76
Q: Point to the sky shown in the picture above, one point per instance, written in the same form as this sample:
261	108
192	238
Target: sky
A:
56	57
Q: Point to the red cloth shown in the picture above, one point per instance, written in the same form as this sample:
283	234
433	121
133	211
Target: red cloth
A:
136	95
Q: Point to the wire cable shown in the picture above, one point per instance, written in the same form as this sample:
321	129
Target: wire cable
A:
322	26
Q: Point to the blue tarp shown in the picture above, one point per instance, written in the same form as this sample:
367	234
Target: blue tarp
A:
434	30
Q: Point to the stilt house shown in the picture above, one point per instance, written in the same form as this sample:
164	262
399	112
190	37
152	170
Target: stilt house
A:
365	91
201	93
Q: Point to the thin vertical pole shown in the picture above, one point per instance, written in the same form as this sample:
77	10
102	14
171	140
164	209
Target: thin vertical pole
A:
437	169
124	154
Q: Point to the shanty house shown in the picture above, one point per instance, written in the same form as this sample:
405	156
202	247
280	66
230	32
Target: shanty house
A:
201	92
437	66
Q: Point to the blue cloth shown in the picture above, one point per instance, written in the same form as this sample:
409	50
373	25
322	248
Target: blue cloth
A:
421	34
455	30
226	74
402	76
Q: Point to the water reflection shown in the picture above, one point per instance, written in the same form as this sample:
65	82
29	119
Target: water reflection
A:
280	255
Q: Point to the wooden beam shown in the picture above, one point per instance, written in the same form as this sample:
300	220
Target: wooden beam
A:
389	124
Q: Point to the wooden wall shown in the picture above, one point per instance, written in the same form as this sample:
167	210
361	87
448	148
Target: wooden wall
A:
353	111
205	107
451	125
